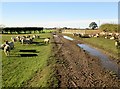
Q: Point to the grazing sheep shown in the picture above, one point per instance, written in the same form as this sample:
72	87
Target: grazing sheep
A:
74	34
26	41
7	46
96	35
102	33
28	36
2	46
7	50
117	44
85	36
11	44
13	39
46	40
112	38
110	34
55	35
106	37
18	38
36	36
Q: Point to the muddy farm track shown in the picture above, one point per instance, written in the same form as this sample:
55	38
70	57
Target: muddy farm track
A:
76	68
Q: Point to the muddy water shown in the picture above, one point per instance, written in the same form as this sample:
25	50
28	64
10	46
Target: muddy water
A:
68	38
105	61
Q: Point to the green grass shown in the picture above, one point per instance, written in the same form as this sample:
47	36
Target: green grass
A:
48	31
102	43
18	71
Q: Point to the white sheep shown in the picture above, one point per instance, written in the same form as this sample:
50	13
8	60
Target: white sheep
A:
7	50
26	41
13	39
117	44
46	40
112	38
11	44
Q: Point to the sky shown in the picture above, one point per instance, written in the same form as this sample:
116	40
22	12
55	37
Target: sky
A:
58	14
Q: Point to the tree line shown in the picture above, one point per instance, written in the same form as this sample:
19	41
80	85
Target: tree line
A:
20	30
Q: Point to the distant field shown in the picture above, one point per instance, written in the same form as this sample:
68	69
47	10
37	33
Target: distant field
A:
28	71
105	44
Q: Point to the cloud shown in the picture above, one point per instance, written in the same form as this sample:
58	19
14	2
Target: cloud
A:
82	23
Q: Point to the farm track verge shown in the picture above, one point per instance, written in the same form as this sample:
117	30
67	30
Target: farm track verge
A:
115	57
75	68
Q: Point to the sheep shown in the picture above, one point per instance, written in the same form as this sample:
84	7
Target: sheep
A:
26	41
2	46
11	44
36	36
13	39
112	38
117	44
28	36
7	50
46	40
106	37
96	35
18	38
7	46
110	34
55	35
74	34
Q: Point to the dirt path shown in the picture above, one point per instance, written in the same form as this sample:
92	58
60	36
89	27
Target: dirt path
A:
75	68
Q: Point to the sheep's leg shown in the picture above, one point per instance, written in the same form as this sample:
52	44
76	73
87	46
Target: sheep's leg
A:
117	46
8	53
45	42
5	53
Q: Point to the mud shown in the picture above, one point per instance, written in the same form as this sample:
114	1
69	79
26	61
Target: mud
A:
76	68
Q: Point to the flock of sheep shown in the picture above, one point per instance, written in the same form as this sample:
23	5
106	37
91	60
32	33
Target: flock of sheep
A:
9	45
106	35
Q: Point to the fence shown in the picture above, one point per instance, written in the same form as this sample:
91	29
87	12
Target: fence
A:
80	31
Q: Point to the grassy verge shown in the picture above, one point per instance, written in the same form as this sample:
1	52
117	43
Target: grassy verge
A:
102	43
35	71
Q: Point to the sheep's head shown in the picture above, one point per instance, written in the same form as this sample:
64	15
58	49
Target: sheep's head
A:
2	46
48	37
6	41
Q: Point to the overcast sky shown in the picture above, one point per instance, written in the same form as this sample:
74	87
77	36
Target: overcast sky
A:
58	14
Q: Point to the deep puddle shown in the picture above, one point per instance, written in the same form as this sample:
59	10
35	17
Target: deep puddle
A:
105	61
68	38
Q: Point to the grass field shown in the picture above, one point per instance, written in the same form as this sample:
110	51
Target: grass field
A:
102	43
28	71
